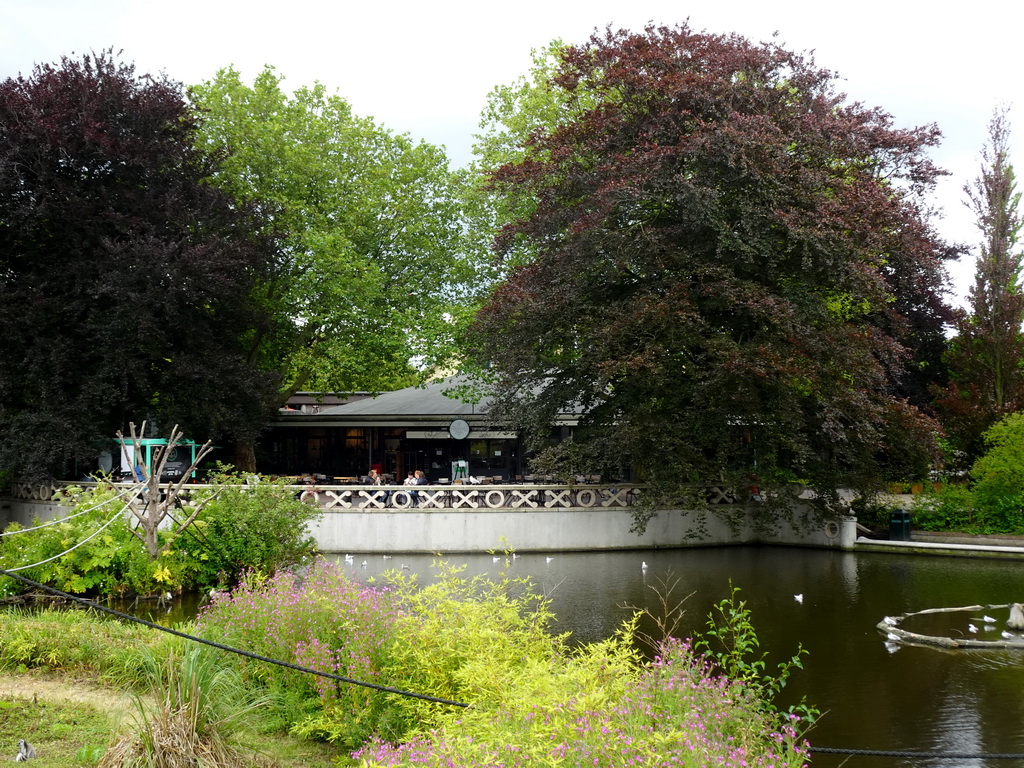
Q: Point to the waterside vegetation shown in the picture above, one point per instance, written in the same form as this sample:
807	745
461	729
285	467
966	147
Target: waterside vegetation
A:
485	643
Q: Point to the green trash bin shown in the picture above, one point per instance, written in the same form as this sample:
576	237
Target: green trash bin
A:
899	525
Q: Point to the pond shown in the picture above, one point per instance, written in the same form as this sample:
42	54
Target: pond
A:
873	697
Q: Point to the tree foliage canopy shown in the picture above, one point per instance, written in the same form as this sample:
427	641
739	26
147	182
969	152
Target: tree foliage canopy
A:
373	263
728	267
125	278
987	356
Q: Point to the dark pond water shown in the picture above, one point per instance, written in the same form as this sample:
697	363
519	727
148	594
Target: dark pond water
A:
911	699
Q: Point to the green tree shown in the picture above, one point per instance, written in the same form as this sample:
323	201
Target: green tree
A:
126	280
373	266
987	355
726	263
997	477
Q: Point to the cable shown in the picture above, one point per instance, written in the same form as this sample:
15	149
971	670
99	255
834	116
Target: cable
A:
229	649
69	517
71	549
924	755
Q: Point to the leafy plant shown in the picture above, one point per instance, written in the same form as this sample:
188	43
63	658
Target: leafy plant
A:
261	527
90	549
730	644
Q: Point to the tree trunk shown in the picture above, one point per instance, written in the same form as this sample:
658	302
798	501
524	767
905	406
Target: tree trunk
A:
245	456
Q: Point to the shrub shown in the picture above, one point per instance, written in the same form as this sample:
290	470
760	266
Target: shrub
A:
455	639
600	707
949	508
325	621
998	477
261	527
994	500
111	562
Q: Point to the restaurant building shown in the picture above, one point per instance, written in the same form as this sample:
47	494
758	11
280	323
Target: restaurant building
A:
419	428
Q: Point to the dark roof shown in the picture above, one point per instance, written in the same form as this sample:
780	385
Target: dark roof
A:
428	400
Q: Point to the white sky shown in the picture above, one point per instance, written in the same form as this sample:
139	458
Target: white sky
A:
426	68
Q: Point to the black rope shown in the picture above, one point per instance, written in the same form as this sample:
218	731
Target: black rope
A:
923	755
229	649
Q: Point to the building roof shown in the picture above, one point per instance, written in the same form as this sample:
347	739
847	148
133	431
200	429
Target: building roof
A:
428	400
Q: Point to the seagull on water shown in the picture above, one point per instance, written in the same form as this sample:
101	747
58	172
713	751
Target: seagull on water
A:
548	560
799	598
971	628
1007	635
892	637
643	566
890	621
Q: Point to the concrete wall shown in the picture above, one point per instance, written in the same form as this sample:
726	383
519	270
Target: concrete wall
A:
524	530
552	530
24	512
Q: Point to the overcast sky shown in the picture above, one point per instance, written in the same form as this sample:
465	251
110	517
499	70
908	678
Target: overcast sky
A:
426	68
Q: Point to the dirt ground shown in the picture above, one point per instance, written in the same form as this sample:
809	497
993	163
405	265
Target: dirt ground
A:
43	688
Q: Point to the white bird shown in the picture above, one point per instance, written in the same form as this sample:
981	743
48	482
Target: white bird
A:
892	647
988	619
405	567
495	559
349	559
1007	635
892	637
643	566
890	621
363	563
971	628
799	598
387	557
548	560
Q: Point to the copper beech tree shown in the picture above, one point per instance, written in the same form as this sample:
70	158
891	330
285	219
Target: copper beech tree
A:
729	268
126	278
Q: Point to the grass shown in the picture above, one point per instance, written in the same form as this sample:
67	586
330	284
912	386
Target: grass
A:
63	733
70	734
72	683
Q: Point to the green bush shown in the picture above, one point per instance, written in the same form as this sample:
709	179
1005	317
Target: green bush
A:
998	477
263	527
993	502
949	508
73	559
92	550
